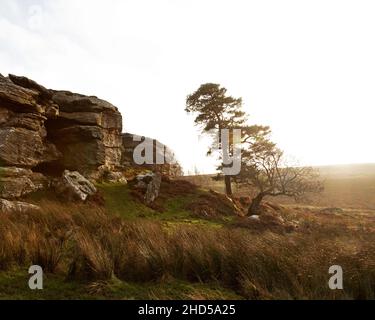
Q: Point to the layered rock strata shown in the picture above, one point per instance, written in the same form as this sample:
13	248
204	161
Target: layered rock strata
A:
43	132
48	135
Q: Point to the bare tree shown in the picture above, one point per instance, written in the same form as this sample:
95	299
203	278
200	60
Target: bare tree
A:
265	169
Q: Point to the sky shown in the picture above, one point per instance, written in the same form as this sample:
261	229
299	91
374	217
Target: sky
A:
305	68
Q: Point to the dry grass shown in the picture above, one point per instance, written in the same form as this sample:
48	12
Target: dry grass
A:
86	244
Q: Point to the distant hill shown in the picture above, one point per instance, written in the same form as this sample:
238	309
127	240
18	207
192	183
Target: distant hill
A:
347	186
348	170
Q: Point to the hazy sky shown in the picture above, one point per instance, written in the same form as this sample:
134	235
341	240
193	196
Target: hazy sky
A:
306	68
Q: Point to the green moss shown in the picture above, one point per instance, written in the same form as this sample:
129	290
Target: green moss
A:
14	285
118	200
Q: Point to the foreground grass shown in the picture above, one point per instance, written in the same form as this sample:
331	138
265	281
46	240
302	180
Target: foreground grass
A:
125	250
14	286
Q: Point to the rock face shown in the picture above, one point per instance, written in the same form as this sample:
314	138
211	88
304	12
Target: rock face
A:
87	132
23	112
73	186
59	128
167	164
25	148
24	108
46	134
18	182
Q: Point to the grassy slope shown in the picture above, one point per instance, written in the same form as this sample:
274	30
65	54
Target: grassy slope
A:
119	201
332	230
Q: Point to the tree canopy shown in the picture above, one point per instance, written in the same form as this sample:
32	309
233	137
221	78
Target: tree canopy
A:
216	110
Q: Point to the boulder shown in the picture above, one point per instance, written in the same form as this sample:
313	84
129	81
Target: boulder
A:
18	182
12	207
150	184
74	186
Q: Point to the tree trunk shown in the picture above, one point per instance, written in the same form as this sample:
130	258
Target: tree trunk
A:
228	186
254	208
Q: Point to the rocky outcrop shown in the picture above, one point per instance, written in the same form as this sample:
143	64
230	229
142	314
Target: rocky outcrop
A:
43	132
73	186
47	134
163	158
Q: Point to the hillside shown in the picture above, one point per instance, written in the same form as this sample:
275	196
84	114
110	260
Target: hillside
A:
116	247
